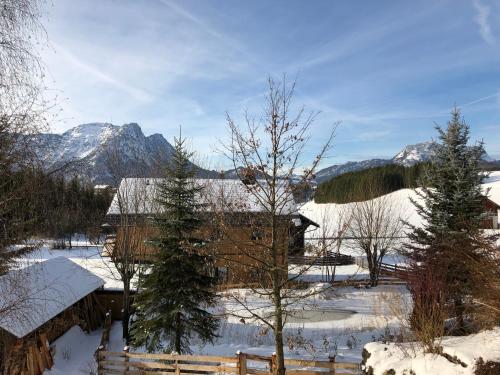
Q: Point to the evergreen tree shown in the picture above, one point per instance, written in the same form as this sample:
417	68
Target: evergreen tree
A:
451	242
173	297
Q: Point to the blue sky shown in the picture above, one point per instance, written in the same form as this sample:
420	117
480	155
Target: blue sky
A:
388	70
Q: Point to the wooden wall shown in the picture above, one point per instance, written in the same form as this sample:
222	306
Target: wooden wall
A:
236	243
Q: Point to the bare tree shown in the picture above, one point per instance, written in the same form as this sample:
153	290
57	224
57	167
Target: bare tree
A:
266	155
333	227
22	112
128	211
376	227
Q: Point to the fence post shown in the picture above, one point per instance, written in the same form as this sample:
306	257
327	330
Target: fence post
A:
332	365
126	350
274	364
98	355
242	363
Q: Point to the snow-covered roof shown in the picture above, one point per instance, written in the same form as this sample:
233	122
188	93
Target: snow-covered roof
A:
493	184
31	296
137	196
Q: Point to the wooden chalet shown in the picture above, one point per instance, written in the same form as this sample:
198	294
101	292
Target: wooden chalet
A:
236	223
490	214
38	304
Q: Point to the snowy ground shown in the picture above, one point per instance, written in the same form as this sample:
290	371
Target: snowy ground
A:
319	273
343	335
409	356
74	351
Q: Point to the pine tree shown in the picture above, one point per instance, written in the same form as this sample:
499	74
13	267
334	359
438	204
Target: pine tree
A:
173	297
451	242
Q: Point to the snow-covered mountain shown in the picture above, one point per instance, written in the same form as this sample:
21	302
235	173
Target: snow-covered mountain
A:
408	156
103	152
416	153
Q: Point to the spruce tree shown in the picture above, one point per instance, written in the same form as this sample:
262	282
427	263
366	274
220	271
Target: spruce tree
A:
450	242
174	296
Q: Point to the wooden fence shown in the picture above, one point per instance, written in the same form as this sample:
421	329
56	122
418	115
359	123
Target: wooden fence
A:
386	269
241	364
330	259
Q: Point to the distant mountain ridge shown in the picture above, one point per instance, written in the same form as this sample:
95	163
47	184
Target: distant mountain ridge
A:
408	156
104	153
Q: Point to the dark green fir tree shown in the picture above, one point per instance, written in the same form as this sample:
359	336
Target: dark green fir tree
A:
451	242
175	295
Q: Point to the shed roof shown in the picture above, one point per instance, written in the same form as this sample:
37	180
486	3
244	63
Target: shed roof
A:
138	196
31	296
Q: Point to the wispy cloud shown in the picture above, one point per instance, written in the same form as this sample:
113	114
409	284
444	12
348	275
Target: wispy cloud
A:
135	92
481	18
388	74
209	29
495	96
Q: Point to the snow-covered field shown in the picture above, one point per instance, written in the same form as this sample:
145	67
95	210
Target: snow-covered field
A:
328	214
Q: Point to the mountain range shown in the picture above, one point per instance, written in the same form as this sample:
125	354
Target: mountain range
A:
408	156
104	153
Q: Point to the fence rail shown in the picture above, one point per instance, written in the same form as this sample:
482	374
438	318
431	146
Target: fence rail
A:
386	269
241	364
330	259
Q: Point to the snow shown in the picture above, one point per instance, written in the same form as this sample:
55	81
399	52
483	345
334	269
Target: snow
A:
74	351
35	294
327	213
87	257
317	273
409	356
493	184
343	337
138	196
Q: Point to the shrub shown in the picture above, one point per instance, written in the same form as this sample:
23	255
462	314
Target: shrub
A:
486	368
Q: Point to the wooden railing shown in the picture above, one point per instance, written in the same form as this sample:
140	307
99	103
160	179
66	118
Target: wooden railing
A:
241	364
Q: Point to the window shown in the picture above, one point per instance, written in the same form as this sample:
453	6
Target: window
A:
257	235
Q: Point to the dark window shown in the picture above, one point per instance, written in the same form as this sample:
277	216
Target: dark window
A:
257	235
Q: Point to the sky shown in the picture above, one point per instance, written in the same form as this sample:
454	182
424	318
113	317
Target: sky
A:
388	71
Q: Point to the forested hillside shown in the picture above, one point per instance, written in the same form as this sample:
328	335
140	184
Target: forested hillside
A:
50	206
368	183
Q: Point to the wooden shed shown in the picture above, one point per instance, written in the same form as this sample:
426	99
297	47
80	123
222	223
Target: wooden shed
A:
38	304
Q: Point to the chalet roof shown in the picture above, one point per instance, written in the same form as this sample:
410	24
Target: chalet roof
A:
31	296
230	195
491	187
492	203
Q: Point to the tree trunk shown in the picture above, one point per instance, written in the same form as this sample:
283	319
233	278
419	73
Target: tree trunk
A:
178	333
459	314
278	335
126	309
